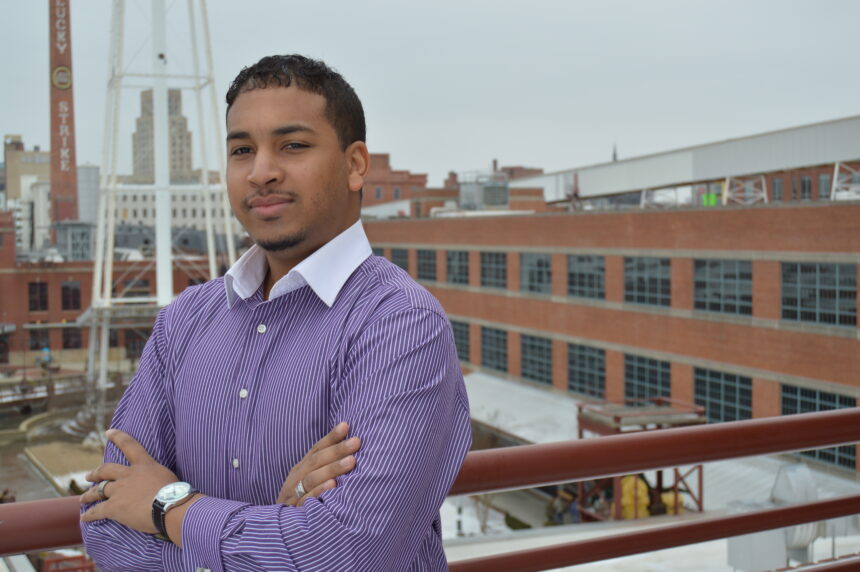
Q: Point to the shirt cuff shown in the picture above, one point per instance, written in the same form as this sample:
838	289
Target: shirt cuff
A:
202	528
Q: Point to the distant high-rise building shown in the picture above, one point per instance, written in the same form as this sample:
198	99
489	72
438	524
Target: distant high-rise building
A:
180	141
88	192
23	167
27	182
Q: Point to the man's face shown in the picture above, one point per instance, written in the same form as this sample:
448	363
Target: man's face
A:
290	184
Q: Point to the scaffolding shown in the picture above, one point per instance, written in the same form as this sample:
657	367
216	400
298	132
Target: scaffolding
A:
632	416
114	301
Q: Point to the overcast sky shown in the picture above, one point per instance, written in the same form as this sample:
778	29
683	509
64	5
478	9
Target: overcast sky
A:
450	85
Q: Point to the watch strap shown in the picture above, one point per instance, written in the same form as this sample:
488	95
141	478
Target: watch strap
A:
158	519
159	513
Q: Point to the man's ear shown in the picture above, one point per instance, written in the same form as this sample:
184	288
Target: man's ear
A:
359	164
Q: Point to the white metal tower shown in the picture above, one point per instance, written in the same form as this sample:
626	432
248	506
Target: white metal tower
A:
112	306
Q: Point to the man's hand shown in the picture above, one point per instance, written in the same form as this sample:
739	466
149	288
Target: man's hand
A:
129	490
330	457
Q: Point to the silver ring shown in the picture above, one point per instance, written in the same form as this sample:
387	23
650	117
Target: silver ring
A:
101	490
300	490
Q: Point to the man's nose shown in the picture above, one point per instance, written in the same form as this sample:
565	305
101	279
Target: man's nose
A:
266	172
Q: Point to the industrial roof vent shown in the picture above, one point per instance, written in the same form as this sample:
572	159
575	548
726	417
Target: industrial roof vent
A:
483	191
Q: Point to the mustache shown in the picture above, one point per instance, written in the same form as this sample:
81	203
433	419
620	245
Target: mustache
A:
246	202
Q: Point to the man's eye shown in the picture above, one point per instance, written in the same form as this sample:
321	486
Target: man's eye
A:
240	151
294	146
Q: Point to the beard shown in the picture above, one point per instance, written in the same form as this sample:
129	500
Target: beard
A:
282	243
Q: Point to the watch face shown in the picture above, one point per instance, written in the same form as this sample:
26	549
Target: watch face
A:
172	492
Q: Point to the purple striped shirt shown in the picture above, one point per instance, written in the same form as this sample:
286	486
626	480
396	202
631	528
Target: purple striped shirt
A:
231	397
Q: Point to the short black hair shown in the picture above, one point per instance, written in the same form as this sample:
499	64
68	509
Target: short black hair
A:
342	107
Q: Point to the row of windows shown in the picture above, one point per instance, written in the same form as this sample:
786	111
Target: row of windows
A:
72	339
377	193
801	187
144	213
70	296
150	197
40	339
724	396
586	365
820	293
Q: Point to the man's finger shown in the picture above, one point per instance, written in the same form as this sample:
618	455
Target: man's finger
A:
133	451
284	496
107	472
95	512
92	494
324	474
332	453
318	490
333	437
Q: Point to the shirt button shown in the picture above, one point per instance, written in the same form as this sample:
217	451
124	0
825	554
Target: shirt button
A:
261	329
235	463
243	393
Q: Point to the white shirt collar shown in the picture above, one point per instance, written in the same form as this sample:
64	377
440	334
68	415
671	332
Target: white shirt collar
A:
325	271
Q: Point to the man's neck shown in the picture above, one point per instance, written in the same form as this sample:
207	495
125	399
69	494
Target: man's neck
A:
280	263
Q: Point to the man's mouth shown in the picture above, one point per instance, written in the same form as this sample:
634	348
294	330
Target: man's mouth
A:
269	205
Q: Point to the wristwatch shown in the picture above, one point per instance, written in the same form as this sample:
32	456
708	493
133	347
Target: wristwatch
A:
168	497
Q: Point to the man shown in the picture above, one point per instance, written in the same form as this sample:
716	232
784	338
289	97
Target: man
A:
242	375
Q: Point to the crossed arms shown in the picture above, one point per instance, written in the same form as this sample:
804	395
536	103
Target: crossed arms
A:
414	435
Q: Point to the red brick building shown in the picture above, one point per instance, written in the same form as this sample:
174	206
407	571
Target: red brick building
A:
40	303
384	184
751	305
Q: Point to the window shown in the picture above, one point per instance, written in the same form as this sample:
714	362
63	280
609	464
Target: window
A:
536	273
135	340
494	348
802	400
494	269
536	358
377	193
645	377
820	293
461	339
724	396
823	187
806	188
400	257
396	192
585	276
39	339
135	288
458	267
647	280
427	265
794	189
38	295
776	190
378	251
71	338
586	370
723	286
71	295
113	338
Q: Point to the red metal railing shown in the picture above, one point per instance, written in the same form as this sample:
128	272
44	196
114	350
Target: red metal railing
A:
39	525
